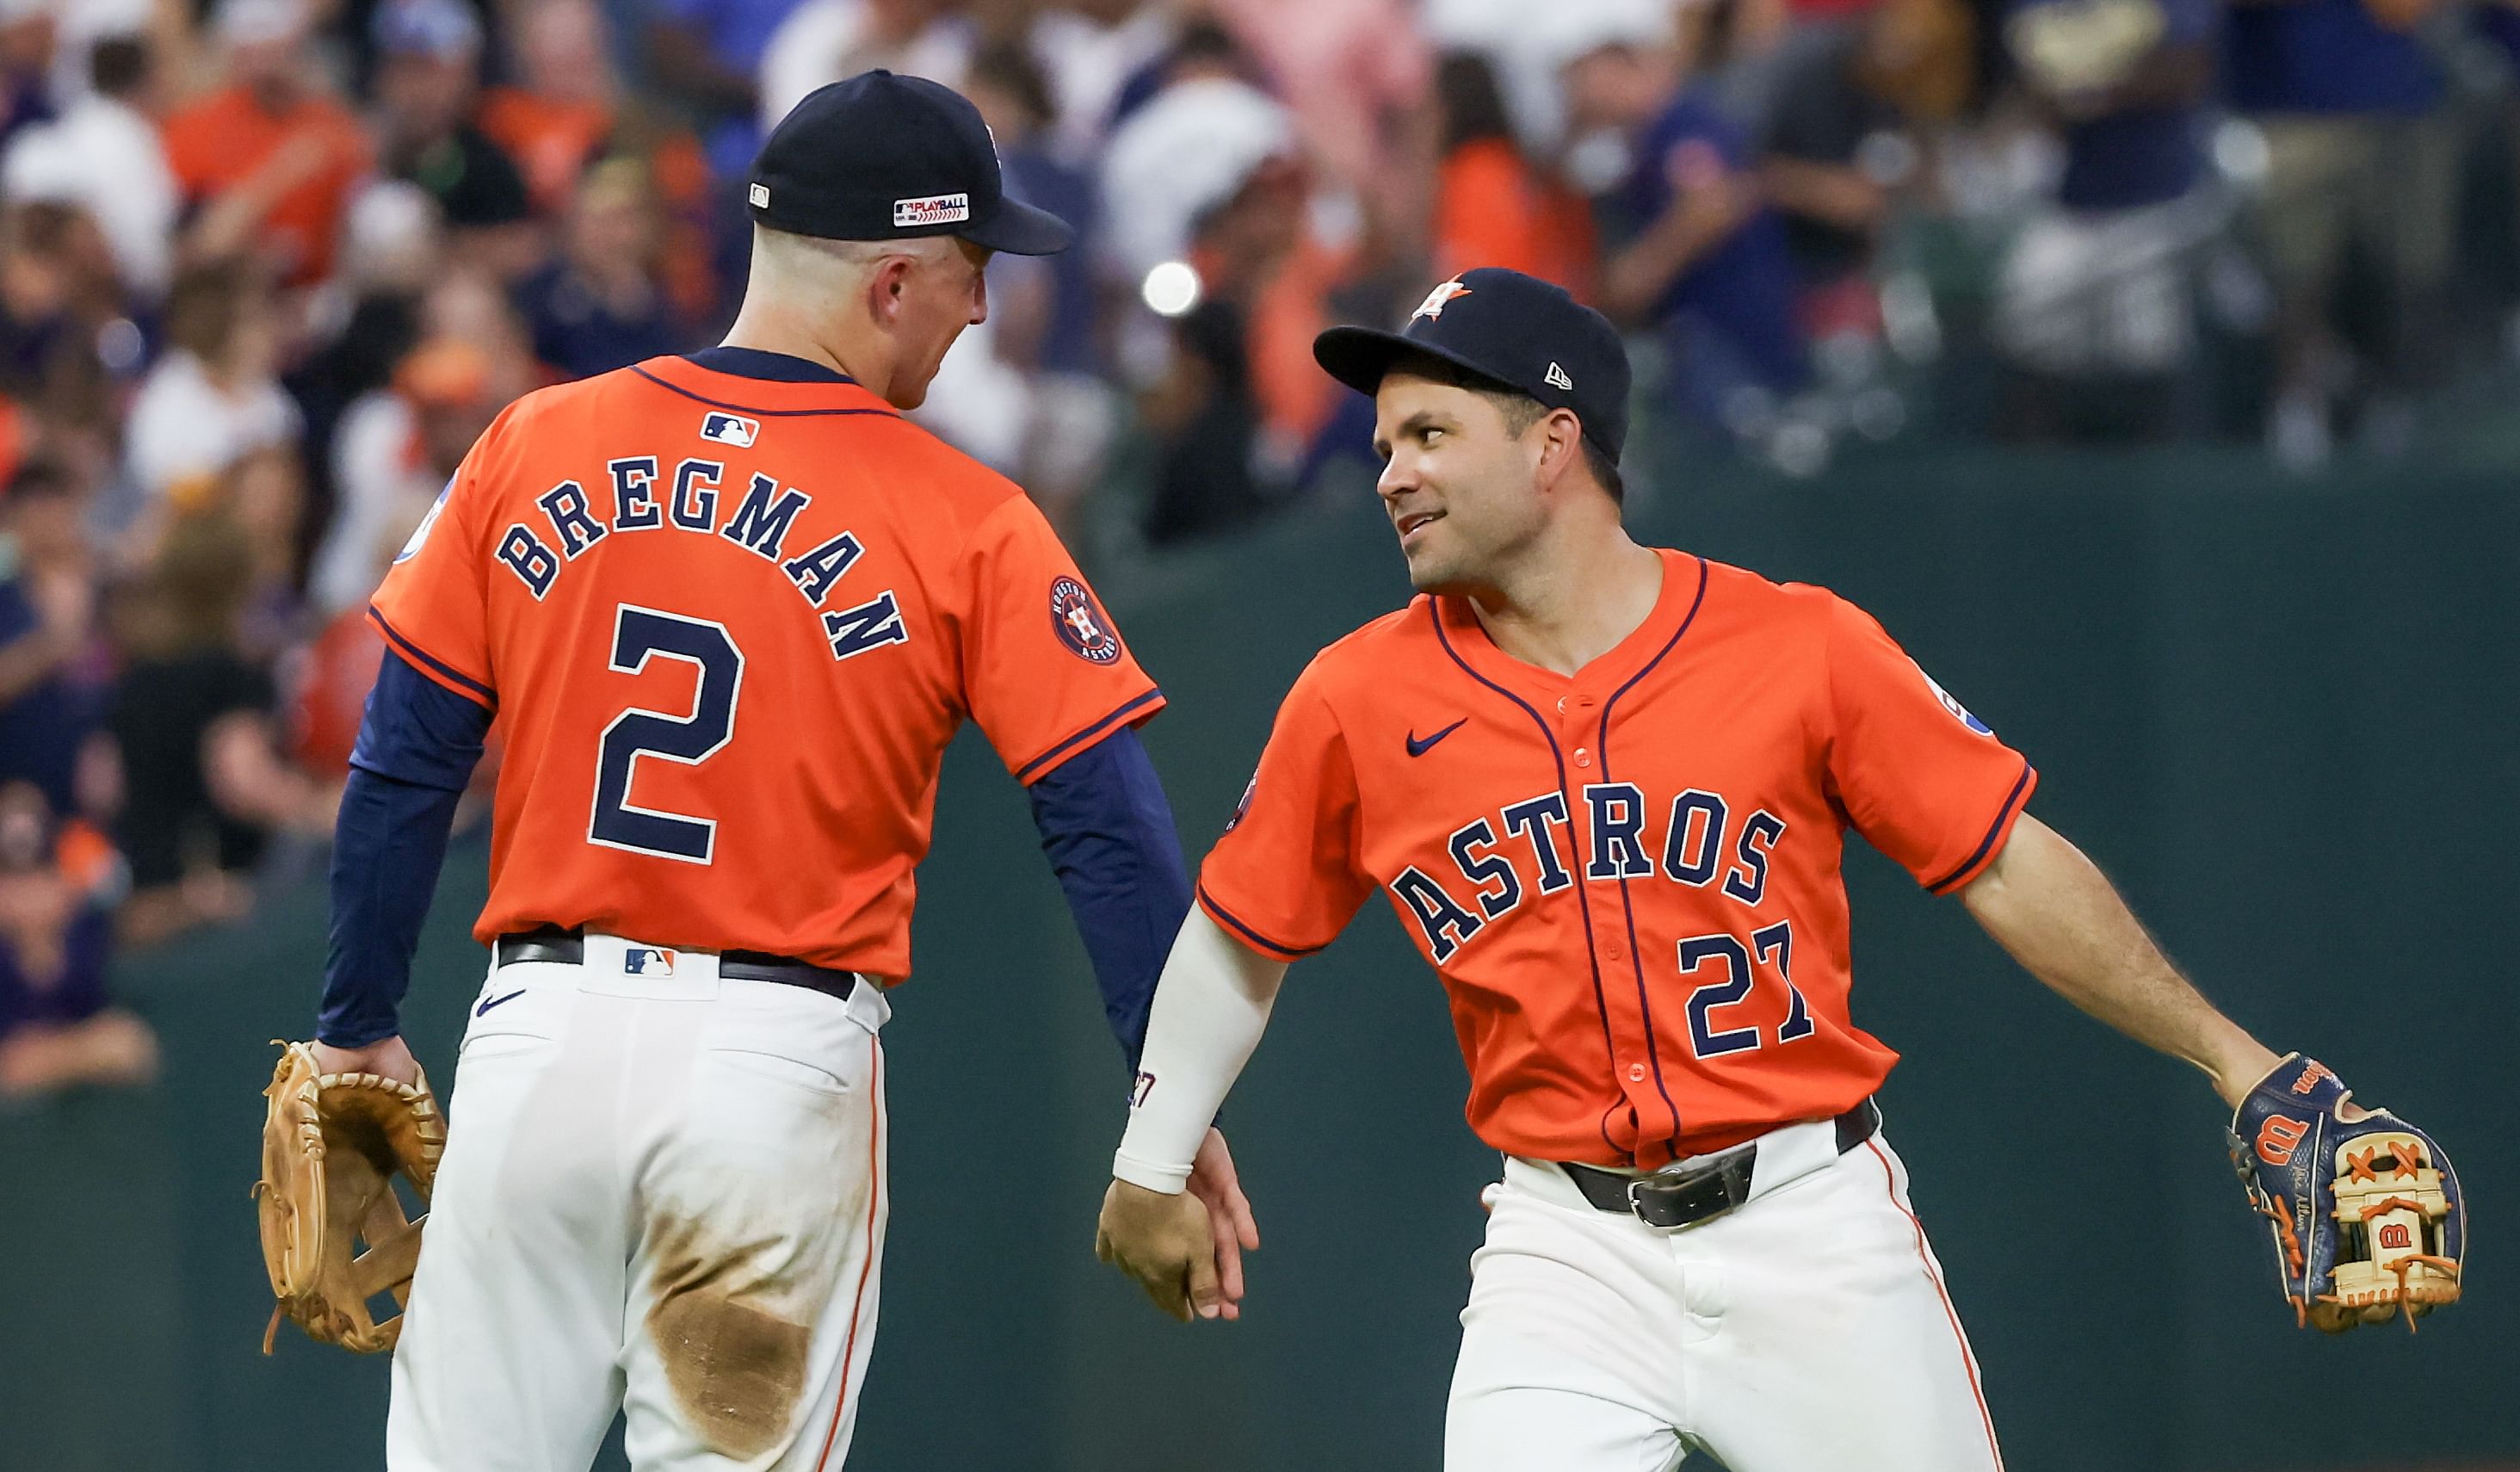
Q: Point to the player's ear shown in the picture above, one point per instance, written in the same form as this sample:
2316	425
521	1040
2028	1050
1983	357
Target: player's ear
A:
885	285
1561	444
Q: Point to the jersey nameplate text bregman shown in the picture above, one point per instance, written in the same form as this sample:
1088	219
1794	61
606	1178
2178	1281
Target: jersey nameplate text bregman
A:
693	498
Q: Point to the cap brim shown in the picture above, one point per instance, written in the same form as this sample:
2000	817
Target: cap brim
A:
1359	357
1018	229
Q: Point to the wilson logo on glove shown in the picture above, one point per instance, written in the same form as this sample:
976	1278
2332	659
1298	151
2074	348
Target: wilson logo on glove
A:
2276	1138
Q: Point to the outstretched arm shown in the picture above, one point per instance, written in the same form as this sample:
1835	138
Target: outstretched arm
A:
1211	1009
2057	916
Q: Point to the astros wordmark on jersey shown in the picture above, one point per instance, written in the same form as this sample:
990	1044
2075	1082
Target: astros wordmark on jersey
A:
1627	879
706	578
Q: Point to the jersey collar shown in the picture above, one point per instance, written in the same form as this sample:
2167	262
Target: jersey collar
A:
1684	585
750	381
761	363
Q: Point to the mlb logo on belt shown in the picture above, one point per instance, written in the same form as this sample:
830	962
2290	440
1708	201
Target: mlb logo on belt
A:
731	428
646	960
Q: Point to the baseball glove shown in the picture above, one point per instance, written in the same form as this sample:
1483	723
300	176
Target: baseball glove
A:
331	1144
2367	1218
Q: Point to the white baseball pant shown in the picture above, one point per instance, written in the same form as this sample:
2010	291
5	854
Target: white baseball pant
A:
1806	1330
663	1193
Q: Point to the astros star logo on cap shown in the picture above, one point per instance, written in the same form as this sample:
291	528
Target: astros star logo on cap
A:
1433	305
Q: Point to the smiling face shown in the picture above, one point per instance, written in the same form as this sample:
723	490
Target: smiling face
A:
1458	480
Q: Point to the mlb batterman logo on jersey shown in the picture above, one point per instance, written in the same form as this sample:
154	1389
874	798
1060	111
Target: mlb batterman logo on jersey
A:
731	428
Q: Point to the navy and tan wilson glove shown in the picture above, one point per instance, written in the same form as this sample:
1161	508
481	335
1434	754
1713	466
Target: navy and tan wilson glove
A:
2368	1218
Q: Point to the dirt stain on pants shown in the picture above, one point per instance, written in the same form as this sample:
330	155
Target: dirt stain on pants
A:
737	1367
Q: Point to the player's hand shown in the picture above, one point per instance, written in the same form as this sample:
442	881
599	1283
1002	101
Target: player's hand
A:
1229	1216
1166	1244
389	1057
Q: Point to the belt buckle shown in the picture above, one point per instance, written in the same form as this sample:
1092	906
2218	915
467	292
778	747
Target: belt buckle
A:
1678	1199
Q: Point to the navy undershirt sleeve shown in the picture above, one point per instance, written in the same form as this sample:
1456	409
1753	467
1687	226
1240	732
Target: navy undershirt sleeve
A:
1108	832
418	745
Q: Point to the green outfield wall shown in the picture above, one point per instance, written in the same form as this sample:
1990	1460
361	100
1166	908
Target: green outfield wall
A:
2282	716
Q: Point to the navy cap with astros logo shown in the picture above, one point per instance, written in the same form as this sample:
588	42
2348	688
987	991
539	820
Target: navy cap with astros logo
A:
880	157
1517	332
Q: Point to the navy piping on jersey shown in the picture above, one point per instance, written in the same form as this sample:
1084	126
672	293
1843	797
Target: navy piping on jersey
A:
1601	1004
762	363
2003	815
1277	947
1024	774
422	656
719	403
1626	906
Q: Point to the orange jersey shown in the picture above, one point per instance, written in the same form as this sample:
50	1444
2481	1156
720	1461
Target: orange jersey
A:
729	625
227	139
1627	879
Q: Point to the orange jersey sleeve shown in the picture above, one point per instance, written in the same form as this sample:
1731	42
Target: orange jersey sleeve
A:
1285	878
433	608
1043	666
1924	780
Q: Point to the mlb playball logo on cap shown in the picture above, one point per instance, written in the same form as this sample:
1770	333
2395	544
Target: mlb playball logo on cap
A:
936	209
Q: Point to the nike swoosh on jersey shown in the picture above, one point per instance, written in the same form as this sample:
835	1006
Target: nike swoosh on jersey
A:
1418	748
491	1002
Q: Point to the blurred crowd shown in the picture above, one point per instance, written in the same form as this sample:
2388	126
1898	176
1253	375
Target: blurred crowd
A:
268	266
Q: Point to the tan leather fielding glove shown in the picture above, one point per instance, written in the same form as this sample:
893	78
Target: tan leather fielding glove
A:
331	1144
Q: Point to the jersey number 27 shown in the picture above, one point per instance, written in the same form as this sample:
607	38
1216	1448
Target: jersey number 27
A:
1774	944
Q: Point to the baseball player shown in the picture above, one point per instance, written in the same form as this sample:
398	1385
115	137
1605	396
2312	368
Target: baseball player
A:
729	609
1606	788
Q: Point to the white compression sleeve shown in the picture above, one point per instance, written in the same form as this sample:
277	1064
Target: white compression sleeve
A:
1210	1008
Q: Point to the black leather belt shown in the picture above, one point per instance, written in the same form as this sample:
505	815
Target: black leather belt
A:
1710	1188
568	948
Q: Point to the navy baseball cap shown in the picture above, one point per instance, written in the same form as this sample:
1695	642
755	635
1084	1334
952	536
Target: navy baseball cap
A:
1517	332
880	157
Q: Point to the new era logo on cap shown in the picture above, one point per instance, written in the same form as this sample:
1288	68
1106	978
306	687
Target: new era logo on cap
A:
760	195
935	209
1557	378
730	429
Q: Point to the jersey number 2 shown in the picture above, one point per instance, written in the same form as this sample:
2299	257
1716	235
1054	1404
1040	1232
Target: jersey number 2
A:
640	634
1775	945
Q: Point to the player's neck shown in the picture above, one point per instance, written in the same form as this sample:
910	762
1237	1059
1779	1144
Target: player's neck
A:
1572	603
777	332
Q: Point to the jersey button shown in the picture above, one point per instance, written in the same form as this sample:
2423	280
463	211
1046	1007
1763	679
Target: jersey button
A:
1561	705
1583	757
1614	951
1635	1073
